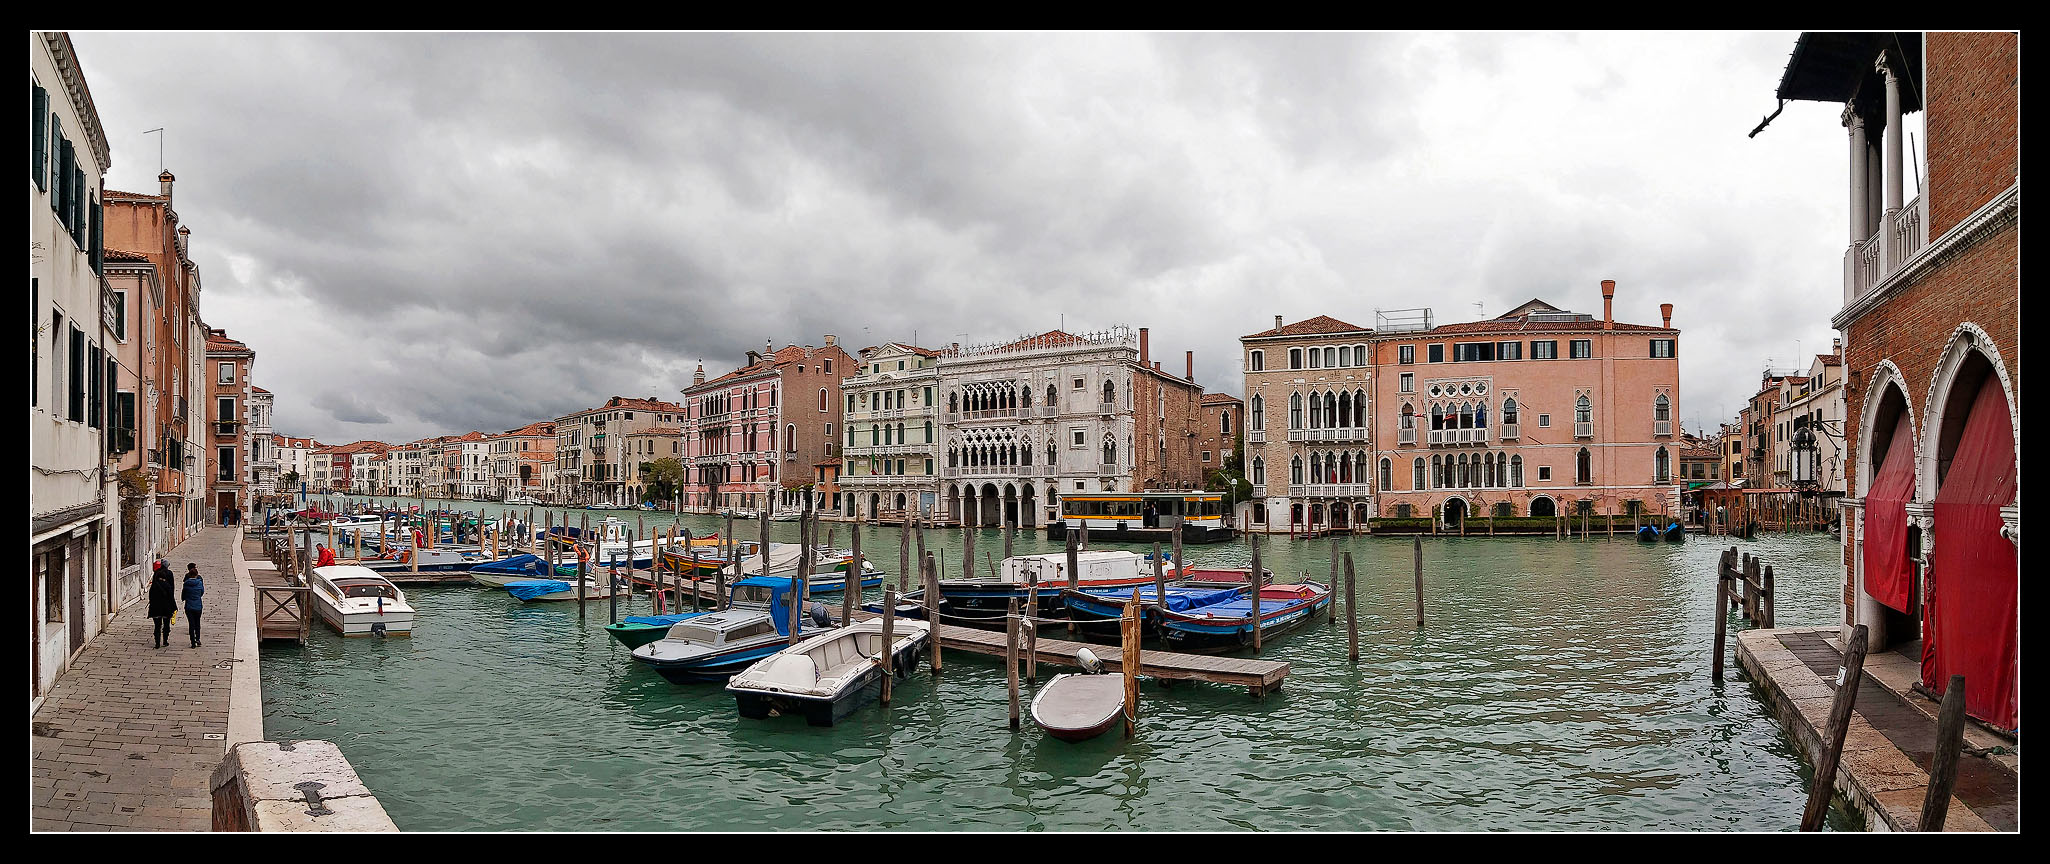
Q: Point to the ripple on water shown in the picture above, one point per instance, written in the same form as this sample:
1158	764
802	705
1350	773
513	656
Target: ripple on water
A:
1557	685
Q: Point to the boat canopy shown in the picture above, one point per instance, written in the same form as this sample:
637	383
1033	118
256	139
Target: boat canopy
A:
532	588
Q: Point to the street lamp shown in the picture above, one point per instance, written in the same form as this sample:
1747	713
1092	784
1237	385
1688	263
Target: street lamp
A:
1804	457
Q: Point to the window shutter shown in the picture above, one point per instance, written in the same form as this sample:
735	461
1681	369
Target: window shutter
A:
60	171
39	122
78	202
98	247
93	383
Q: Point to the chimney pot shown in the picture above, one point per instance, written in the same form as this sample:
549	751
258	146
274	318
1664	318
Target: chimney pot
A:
1666	313
1189	360
831	340
1144	339
1277	322
1608	304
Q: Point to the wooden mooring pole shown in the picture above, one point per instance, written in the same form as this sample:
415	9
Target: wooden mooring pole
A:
1255	594
1839	724
1352	613
1032	624
932	607
1010	657
850	585
1417	562
889	655
1950	739
1159	579
1128	639
903	556
1722	612
584	562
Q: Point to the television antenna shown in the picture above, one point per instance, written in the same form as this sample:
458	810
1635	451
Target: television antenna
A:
159	132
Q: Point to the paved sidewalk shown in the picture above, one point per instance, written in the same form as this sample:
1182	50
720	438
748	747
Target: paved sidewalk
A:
128	738
1891	740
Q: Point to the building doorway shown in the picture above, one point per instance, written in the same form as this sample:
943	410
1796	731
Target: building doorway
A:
1455	512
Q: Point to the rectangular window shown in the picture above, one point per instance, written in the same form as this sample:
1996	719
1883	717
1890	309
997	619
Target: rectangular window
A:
1256	361
1544	472
225	415
1316	359
1508	350
227	373
76	375
94	393
1405	354
1437	353
1409	382
1206	458
1545	350
226	460
1662	348
1473	352
1544	421
121	316
1078	384
1081	438
1295	358
1583	349
1359	355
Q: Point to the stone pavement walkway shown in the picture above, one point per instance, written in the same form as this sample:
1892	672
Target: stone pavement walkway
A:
129	737
1891	741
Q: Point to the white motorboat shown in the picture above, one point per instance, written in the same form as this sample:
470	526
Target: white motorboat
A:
358	602
827	676
786	516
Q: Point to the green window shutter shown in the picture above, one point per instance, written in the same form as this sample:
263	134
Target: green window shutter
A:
60	176
39	119
78	207
98	210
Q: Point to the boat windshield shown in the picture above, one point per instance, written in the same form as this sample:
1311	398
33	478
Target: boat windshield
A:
757	595
693	633
366	589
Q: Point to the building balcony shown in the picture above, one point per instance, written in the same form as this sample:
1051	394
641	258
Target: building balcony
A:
1460	437
1048	410
1583	430
991	471
1662	428
1904	233
1107	468
892	449
1405	437
1330	490
1106	409
987	414
1257	436
1343	433
1510	431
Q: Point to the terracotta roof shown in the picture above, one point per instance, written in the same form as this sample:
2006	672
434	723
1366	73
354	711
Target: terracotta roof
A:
781	357
534	429
1522	325
1309	327
267	393
1220	399
123	255
1831	359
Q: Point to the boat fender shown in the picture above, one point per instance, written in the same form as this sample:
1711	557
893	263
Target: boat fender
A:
1086	659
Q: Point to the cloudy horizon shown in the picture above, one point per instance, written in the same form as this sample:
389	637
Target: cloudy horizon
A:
427	234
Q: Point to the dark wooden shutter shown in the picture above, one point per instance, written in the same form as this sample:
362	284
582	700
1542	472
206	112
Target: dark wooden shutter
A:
93	381
98	237
39	124
78	201
75	379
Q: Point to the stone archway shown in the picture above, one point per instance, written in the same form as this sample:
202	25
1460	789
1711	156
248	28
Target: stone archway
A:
1028	514
990	506
1543	507
1454	512
1010	514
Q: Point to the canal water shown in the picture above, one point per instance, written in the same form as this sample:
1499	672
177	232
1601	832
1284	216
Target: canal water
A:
1555	685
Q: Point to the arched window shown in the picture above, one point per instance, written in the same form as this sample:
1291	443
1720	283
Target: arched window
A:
1330	407
954	401
1416	474
1387	473
1295	470
1516	471
1662	465
1408	417
1583	410
928	433
1050	395
1110	450
1316	412
1359	409
1583	465
1110	393
1662	408
1259	471
1437	417
1359	467
1025	452
900	435
1488	470
1466	415
790	438
822	398
953	457
1050	454
1509	412
1224	422
1344	410
1259	413
1295	411
887	436
1437	473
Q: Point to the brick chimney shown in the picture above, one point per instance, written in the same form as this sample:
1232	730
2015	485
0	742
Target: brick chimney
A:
1145	340
832	340
753	357
1277	322
164	187
1189	361
1666	314
1608	304
1156	365
1836	346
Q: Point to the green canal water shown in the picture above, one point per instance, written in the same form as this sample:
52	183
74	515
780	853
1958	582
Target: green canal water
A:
1556	685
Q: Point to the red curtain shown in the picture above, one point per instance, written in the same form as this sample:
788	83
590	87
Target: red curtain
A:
1887	577
1974	583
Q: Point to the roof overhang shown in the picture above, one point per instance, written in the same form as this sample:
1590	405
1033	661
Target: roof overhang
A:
1837	67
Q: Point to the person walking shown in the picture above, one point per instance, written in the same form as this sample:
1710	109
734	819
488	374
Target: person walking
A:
195	588
163	603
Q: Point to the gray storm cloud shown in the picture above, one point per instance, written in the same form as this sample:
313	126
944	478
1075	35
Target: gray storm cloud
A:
427	234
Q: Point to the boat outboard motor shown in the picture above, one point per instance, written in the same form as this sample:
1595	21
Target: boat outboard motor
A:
377	629
1086	659
819	614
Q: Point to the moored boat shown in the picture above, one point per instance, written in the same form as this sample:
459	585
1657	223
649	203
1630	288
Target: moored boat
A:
633	631
1230	624
1097	609
1079	707
358	602
596	587
714	646
1675	533
1647	534
988	598
825	677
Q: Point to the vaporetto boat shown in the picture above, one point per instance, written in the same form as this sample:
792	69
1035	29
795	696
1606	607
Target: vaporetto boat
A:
357	602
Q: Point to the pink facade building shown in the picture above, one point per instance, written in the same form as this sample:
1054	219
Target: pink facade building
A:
758	433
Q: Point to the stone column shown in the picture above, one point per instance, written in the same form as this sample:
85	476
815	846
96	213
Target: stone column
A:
1855	124
1891	180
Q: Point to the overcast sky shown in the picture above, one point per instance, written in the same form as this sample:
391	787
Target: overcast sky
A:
428	234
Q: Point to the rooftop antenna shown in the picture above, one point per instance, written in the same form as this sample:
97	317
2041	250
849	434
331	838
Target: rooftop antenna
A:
159	132
1478	309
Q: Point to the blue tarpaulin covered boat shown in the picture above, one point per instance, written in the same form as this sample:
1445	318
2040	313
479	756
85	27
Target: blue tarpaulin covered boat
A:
528	589
1101	606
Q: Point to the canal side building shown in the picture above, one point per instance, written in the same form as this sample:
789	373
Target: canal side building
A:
73	497
1217	437
1027	421
757	433
642	449
1535	412
891	464
262	455
1931	348
1309	397
229	363
522	460
591	458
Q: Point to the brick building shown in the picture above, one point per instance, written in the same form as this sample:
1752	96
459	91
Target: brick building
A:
757	433
1217	437
1931	348
228	366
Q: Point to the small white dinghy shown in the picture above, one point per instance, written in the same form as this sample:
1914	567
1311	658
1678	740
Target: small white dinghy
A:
358	602
827	676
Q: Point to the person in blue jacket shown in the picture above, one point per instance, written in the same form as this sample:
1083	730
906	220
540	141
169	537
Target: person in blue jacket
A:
195	588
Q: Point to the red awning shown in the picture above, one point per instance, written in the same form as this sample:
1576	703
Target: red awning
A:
1974	580
1887	577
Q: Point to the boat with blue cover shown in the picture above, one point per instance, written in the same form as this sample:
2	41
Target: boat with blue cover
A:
518	568
1227	625
1097	609
596	587
1675	533
715	645
1647	534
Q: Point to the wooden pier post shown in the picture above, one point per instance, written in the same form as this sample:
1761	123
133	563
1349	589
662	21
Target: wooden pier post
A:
731	559
1769	600
1334	577
762	516
850	585
1255	594
611	590
1032	624
1010	532
1074	572
889	655
584	563
1723	570
1180	565
527	528
1352	613
918	538
1128	639
1010	658
968	553
1159	579
903	556
1839	723
932	608
1950	739
1417	565
801	591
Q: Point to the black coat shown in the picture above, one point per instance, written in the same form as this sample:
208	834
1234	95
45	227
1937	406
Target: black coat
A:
163	595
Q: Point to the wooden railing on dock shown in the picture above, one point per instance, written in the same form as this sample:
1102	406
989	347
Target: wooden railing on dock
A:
1740	583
